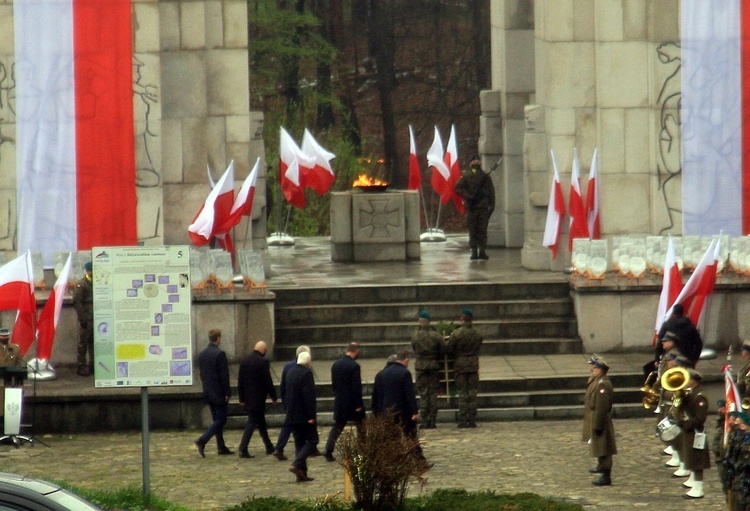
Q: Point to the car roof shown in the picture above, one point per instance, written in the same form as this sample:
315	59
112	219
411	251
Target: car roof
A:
24	493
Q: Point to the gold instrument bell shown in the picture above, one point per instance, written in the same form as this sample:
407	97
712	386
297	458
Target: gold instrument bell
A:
675	380
651	395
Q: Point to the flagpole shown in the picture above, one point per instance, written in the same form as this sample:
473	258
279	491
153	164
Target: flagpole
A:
424	207
288	214
437	222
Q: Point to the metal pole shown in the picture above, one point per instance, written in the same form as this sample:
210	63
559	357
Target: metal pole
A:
424	207
286	224
145	445
437	222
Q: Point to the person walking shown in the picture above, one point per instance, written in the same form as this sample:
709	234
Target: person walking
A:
286	430
347	396
602	433
214	373
83	303
476	189
464	345
427	345
301	414
254	383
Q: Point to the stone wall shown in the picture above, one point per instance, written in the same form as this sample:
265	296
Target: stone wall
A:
606	75
191	109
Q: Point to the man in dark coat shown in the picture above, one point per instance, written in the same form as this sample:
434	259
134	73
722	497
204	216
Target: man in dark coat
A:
301	414
464	345
214	372
347	396
286	430
254	383
682	333
394	392
476	189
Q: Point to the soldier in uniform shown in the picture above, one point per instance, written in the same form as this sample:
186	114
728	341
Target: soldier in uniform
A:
476	189
83	302
693	411
463	345
743	376
602	433
590	387
427	345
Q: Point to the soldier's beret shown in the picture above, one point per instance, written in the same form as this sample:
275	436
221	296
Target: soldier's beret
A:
467	312
721	403
744	417
87	266
4	332
734	414
745	346
425	314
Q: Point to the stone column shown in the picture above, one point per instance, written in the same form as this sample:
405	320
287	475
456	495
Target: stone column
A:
537	182
502	123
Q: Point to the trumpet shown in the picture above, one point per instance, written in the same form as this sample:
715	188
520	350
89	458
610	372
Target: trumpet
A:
676	380
651	395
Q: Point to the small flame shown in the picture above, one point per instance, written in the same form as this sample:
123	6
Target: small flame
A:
364	180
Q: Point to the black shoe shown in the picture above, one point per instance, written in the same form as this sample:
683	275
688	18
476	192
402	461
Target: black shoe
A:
83	371
270	451
471	424
201	448
279	455
316	452
596	470
604	480
483	255
246	455
474	255
329	457
225	452
463	425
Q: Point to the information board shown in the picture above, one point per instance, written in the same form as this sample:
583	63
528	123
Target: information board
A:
142	316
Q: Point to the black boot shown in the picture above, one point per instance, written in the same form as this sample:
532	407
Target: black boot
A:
604	479
483	254
474	254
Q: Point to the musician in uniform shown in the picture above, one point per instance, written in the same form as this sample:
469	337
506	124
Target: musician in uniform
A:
427	344
602	432
692	414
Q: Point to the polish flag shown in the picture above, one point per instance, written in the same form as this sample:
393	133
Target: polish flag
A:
700	285
732	400
320	175
17	293
578	219
215	211
670	288
592	199
243	204
415	175
454	167
50	315
75	139
555	212
291	158
440	172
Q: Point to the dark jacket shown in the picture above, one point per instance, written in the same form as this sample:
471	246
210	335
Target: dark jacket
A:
394	389
254	382
347	390
464	345
694	409
282	384
688	342
427	345
300	395
214	371
476	189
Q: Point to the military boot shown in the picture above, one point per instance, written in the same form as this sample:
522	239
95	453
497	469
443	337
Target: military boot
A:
483	254
604	479
474	255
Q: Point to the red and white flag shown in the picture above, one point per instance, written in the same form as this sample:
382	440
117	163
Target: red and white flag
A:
454	168
415	175
578	218
441	174
50	315
291	158
215	211
243	204
320	175
592	199
76	170
17	293
732	400
700	285
555	212
670	288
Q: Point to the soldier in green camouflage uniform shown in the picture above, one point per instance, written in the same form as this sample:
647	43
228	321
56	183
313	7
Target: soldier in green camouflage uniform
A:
464	345
476	189
83	302
427	345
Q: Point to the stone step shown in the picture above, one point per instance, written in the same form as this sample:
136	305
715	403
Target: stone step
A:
467	293
296	315
495	347
401	332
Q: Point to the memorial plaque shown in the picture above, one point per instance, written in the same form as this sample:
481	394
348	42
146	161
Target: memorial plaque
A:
199	272
251	267
580	255
598	257
220	264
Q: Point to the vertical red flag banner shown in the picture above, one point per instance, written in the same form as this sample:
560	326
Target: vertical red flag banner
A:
415	175
319	176
670	289
215	210
578	218
20	277
700	285
291	158
454	169
592	198
50	315
555	212
732	400
440	172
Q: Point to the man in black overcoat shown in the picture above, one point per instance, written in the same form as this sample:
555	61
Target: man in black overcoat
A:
254	383
301	414
214	372
347	396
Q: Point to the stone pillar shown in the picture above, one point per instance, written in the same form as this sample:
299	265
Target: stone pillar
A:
537	182
513	84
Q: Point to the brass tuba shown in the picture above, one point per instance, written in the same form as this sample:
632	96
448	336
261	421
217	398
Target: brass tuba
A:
651	396
675	380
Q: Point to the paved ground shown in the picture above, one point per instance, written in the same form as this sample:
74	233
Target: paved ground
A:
546	458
